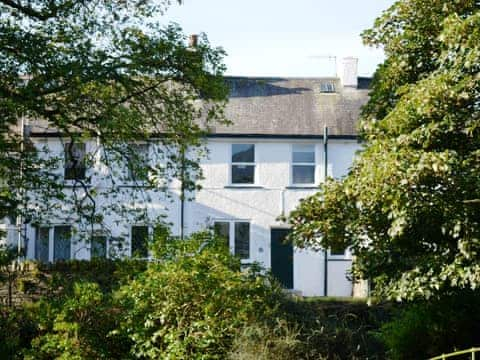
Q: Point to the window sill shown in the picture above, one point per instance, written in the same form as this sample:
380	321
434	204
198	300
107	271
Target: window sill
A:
246	262
243	186
302	187
71	183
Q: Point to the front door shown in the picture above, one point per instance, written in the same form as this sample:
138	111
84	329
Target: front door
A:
282	258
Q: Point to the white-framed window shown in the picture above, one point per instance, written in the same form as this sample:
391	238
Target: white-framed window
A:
236	234
138	162
243	164
75	166
303	164
139	238
53	243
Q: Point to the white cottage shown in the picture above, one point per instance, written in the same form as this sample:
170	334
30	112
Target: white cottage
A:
258	168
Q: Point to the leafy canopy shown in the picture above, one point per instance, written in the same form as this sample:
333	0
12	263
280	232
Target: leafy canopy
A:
409	207
107	71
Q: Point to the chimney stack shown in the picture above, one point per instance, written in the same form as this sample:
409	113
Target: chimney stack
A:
348	72
193	41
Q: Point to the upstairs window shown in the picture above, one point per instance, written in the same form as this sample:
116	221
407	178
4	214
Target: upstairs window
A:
138	162
303	164
243	163
75	168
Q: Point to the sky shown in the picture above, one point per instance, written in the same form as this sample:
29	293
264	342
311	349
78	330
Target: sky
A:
284	38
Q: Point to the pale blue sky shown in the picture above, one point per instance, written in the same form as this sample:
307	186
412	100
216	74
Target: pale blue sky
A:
284	37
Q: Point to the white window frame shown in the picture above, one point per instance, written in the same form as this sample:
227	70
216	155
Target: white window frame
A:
314	164
232	163
51	239
231	236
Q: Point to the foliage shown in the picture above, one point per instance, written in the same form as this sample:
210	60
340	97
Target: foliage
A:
78	327
315	329
61	277
409	206
192	305
337	329
110	74
18	328
426	329
263	342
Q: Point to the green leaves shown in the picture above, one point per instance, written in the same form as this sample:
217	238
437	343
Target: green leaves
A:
106	73
192	305
404	207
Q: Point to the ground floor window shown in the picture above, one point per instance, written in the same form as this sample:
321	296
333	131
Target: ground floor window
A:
98	246
53	243
139	241
236	235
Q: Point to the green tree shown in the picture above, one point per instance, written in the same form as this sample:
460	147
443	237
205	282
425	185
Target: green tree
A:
409	208
107	71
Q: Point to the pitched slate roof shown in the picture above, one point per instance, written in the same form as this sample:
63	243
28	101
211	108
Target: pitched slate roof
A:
291	106
276	106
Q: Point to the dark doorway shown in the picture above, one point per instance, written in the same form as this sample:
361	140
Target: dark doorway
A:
282	258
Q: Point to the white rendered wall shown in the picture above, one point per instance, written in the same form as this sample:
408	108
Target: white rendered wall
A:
273	195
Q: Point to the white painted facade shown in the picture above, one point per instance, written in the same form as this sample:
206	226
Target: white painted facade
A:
260	204
276	115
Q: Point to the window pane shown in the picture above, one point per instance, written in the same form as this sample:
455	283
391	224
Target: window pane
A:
99	247
303	174
222	229
242	240
243	174
138	161
303	153
140	241
75	161
41	245
61	242
243	153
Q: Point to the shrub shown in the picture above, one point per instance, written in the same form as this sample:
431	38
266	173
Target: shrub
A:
78	327
279	341
17	329
426	329
192	305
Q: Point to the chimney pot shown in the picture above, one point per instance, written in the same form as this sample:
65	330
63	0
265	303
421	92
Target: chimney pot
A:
193	41
348	72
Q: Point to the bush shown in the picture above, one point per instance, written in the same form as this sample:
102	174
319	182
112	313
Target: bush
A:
192	305
78	327
426	329
17	329
279	341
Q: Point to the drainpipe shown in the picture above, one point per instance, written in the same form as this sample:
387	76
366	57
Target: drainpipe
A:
182	194
325	165
20	223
